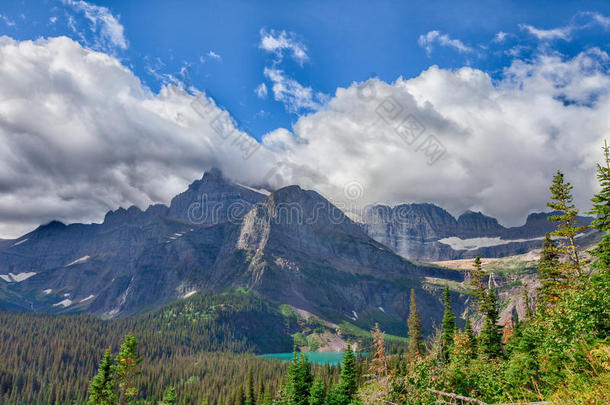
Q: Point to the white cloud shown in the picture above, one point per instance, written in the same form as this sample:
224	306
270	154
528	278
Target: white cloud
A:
503	140
500	36
600	19
111	32
101	140
278	42
550	34
214	55
295	96
261	91
52	20
7	20
93	138
580	21
428	40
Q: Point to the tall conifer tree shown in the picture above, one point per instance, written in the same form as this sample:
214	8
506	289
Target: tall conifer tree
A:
549	273
448	326
477	283
567	224
601	209
470	337
298	381
415	330
490	339
318	392
346	390
102	390
127	363
250	395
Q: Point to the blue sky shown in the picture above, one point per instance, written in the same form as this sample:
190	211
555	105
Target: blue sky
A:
505	93
345	41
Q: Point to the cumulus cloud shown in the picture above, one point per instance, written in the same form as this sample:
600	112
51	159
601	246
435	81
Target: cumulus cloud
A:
108	28
279	42
503	140
80	134
428	41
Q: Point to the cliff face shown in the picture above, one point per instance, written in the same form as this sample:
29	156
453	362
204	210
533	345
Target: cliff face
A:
426	232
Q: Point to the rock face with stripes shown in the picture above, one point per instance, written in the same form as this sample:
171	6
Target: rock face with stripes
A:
427	232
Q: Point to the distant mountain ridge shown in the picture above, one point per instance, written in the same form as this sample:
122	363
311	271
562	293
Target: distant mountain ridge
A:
427	232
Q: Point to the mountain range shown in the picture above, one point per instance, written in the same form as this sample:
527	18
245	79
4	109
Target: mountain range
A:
290	246
427	232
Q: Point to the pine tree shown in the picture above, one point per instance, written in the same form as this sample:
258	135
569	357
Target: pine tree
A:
318	392
169	397
346	390
549	273
127	363
102	390
567	224
415	330
250	395
471	339
298	381
477	284
448	326
261	392
240	396
490	339
380	362
601	209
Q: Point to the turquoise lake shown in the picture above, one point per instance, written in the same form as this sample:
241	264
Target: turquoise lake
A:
314	357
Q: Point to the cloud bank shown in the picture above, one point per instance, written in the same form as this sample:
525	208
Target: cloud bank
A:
80	134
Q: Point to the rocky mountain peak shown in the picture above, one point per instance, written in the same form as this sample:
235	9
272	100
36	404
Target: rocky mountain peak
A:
213	199
473	224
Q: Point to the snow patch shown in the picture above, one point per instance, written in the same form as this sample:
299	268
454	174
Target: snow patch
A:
64	303
47	291
83	259
477	243
256	190
175	236
88	298
355	315
20	242
16	278
66	295
381	309
189	294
